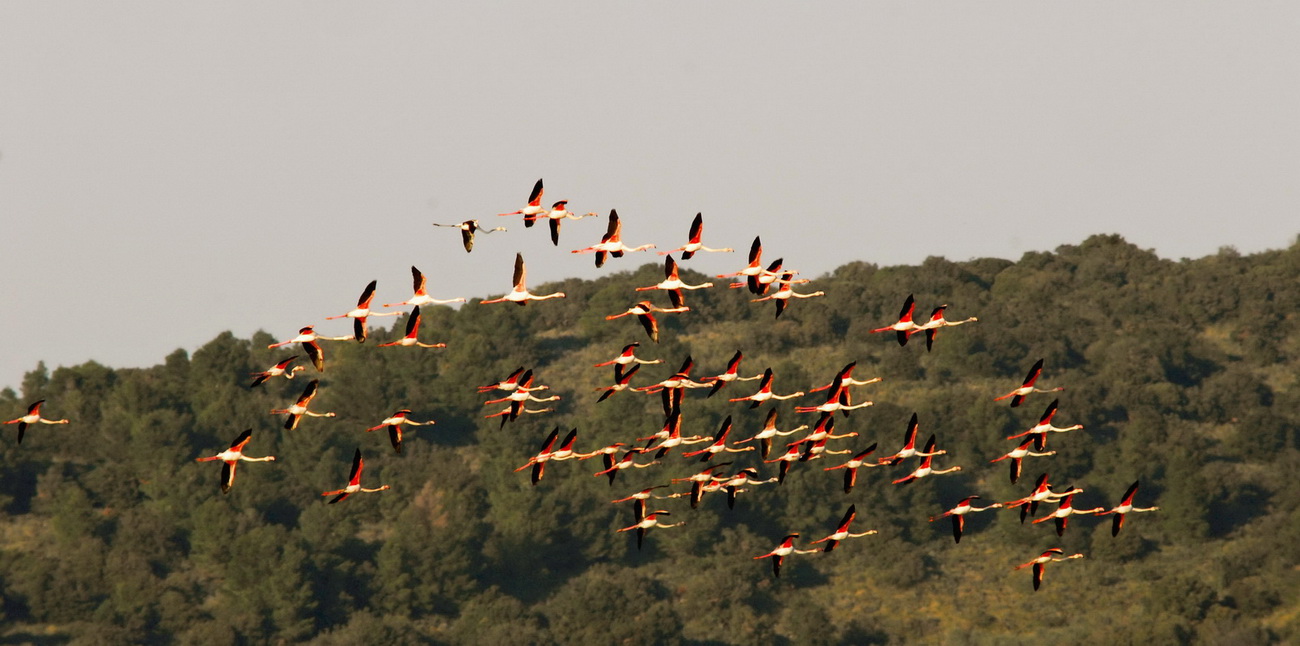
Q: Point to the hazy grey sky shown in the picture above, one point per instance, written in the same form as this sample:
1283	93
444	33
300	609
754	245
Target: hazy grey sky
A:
170	170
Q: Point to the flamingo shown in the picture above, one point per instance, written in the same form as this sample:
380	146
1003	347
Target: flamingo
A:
231	458
606	454
825	430
761	280
520	294
755	267
648	521
768	432
783	294
1124	507
904	327
843	379
909	445
308	337
354	481
719	445
851	467
421	295
698	481
931	327
816	448
277	370
843	531
925	469
638	500
1044	426
674	387
362	312
1018	395
534	207
611	243
765	392
622	382
1050	556
672	283
743	477
793	453
509	383
467	230
514	410
674	437
299	408
395	422
644	313
837	401
626	357
1042	493
628	462
524	393
412	332
1062	514
538	462
33	416
783	550
694	245
731	374
959	512
566	451
1017	455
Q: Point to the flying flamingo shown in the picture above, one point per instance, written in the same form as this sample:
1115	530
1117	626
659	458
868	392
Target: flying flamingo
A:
534	207
648	521
421	295
815	449
783	550
628	462
467	230
841	398
1017	455
843	531
909	445
277	370
644	313
783	294
621	383
1125	507
524	393
638	500
959	512
719	445
361	312
1018	395
412	332
825	430
731	374
931	327
837	401
1050	556
925	469
538	462
1044	426
673	284
674	387
1042	493
759	282
694	245
231	458
768	432
904	327
755	267
520	294
793	453
558	213
765	392
308	337
509	383
626	358
395	422
1064	511
851	467
33	416
354	481
514	410
732	485
299	408
698	481
674	438
612	242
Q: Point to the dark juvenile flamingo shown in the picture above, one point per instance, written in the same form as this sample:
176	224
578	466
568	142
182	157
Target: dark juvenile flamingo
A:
467	230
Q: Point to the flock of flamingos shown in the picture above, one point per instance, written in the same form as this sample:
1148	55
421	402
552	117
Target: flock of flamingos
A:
765	283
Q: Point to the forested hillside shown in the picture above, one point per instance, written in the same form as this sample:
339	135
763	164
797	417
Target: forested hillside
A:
1183	374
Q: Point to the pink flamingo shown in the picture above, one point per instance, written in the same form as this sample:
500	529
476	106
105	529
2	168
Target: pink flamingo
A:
628	462
509	383
421	295
279	369
931	327
362	312
538	462
673	284
785	292
843	532
719	445
534	206
1042	493
647	522
783	550
299	408
959	512
925	469
395	422
768	432
559	213
33	416
904	327
626	358
1050	556
1044	426
731	374
308	337
412	333
851	467
644	312
755	267
354	482
520	295
909	445
611	243
694	245
765	392
1125	507
1062	514
638	500
621	383
1018	395
1017	455
231	457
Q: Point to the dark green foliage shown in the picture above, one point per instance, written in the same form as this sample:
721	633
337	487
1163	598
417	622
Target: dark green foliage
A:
1183	374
